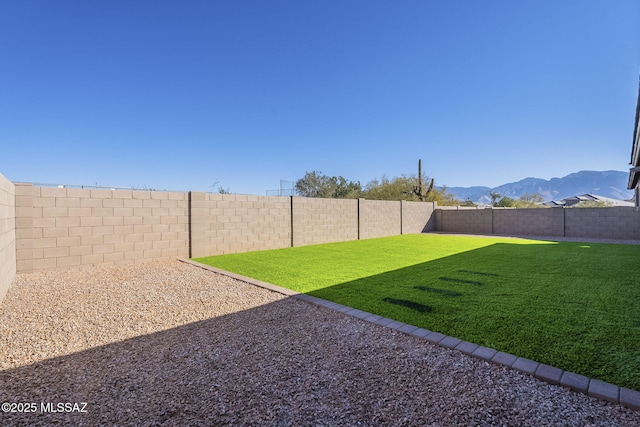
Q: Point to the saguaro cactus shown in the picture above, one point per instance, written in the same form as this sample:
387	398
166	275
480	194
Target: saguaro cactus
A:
420	190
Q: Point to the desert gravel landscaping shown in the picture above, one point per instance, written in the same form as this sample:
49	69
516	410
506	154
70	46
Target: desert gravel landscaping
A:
167	343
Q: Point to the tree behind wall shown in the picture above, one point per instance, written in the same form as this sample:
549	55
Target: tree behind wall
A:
315	184
525	201
402	188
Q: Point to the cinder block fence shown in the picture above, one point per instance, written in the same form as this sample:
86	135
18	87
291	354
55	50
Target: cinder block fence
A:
65	227
618	223
7	235
47	228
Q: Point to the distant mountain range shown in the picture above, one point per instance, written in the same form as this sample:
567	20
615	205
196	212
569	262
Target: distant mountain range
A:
612	184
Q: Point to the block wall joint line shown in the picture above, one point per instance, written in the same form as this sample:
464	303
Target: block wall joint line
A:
492	226
401	218
291	219
358	218
189	221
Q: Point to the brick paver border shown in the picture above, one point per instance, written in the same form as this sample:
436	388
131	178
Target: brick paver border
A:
579	383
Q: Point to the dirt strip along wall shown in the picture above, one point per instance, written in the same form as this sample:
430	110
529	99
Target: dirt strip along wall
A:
619	223
69	227
7	235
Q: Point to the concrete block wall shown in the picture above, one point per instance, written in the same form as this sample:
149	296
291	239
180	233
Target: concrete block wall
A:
323	220
414	215
24	227
618	223
528	222
7	235
70	227
464	220
65	227
45	228
606	223
379	218
227	223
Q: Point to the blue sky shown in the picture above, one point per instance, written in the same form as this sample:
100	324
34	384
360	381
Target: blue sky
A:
180	95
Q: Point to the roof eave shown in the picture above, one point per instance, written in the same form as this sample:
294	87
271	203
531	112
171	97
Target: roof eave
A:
635	148
634	177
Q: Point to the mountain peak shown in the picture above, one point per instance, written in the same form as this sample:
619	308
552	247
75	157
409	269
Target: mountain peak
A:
612	184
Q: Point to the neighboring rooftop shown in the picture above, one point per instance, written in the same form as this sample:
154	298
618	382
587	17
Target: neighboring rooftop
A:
574	200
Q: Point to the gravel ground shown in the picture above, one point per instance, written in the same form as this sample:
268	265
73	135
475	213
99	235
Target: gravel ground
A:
166	343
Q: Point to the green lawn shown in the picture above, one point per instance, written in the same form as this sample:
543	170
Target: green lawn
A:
575	306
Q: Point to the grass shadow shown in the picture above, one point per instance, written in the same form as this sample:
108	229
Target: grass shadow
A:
438	291
422	308
463	281
561	304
